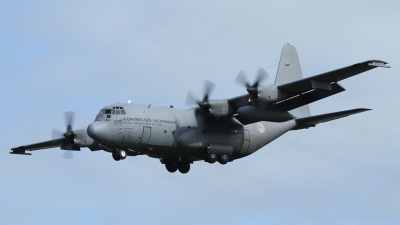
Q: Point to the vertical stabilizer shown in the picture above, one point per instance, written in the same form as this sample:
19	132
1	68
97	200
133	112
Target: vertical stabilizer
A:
289	66
289	70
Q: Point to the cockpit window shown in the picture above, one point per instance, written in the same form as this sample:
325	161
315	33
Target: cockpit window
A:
116	110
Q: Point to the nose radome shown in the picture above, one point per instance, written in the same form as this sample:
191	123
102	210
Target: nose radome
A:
99	131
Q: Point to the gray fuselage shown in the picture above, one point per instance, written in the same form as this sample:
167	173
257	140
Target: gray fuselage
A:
163	132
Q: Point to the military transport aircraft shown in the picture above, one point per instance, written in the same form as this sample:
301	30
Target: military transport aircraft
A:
215	130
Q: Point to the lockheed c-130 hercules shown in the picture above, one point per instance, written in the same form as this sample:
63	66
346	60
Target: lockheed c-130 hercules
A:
215	130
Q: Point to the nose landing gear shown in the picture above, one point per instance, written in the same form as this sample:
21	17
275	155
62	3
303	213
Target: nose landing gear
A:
119	154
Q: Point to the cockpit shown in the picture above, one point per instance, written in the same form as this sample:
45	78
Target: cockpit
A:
116	110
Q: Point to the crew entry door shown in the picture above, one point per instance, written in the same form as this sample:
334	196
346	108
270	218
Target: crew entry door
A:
145	135
117	128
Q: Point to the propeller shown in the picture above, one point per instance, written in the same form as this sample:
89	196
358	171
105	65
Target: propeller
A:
69	134
241	79
208	88
69	119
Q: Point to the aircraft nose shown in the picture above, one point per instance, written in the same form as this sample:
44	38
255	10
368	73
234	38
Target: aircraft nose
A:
99	131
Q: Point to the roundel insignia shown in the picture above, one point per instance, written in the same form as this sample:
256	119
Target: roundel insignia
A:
260	127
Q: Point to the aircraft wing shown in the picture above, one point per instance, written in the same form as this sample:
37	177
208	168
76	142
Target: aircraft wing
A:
37	146
311	89
312	121
240	101
63	143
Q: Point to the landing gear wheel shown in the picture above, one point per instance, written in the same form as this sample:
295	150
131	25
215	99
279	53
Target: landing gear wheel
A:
115	156
211	157
184	168
171	167
121	153
223	159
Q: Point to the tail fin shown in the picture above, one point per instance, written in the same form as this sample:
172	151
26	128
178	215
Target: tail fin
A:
289	66
289	70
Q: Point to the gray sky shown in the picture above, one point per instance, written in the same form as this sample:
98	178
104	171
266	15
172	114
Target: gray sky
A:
57	56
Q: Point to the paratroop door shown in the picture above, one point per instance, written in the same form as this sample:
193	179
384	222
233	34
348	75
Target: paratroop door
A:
146	135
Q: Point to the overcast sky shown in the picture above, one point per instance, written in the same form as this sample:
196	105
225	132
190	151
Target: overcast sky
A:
57	56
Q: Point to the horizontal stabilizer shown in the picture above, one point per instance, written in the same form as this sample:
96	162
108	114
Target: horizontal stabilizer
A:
311	121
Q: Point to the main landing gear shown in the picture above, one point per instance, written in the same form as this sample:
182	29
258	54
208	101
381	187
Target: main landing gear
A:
119	154
212	158
172	167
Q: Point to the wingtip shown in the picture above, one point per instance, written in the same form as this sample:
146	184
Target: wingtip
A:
360	110
20	148
19	151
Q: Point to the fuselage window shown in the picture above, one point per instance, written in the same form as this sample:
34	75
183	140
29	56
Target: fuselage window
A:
108	111
117	107
121	107
123	112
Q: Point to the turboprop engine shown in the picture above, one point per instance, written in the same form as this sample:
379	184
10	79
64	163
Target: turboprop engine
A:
211	107
255	114
269	93
217	108
260	94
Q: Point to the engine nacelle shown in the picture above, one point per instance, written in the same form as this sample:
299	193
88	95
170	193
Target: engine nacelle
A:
270	93
220	108
272	115
82	139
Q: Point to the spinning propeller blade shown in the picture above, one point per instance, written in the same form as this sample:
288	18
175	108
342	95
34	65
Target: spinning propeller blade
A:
68	154
241	79
208	88
68	134
191	99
